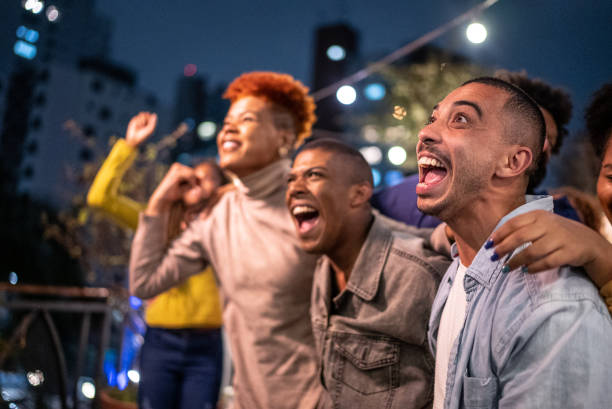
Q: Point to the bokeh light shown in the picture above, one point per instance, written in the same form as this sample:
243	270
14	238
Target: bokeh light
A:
88	390
134	375
393	177
190	70
372	154
476	33
397	155
52	13
336	53
206	130
346	94
376	176
375	91
399	112
13	278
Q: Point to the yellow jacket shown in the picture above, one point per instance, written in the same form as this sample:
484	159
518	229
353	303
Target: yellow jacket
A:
192	304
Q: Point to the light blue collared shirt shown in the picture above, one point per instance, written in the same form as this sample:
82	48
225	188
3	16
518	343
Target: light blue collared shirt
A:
529	340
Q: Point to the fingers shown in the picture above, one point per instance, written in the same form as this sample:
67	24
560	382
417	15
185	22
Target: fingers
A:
182	174
539	256
524	231
150	122
141	126
516	223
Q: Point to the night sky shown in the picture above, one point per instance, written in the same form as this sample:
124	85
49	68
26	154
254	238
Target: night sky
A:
566	42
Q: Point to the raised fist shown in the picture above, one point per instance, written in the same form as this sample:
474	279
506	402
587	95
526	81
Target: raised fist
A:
141	126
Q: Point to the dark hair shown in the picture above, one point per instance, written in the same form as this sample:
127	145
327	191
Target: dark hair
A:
212	163
521	104
598	118
360	169
555	100
178	210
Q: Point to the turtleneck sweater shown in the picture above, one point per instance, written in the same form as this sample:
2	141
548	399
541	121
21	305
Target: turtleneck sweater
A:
265	280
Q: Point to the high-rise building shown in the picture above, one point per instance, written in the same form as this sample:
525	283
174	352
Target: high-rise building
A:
335	53
36	35
73	114
60	97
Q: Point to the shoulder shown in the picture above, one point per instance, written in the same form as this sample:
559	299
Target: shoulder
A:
564	284
553	302
415	250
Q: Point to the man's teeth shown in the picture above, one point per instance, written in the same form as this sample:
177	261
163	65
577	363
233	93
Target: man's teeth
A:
428	161
297	210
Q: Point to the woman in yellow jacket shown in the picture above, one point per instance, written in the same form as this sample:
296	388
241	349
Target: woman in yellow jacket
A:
181	358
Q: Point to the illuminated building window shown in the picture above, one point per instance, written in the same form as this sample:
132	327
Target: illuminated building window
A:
24	50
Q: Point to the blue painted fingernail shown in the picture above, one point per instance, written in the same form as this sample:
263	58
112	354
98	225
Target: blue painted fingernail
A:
489	244
524	269
494	257
505	268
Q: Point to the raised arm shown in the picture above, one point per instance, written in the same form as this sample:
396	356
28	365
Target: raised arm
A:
155	267
556	241
103	193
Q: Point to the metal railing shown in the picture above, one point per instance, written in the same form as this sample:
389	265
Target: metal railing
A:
40	302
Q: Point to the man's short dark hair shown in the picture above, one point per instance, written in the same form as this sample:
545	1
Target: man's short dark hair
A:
555	100
361	171
598	118
522	105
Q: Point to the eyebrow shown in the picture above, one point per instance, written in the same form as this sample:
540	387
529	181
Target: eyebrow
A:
294	172
463	102
471	104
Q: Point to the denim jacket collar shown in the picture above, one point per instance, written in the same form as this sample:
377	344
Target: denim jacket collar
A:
366	273
482	269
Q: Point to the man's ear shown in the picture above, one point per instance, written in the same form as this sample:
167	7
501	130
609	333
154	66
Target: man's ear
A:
515	162
360	193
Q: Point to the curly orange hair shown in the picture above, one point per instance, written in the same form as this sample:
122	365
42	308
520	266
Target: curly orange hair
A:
283	91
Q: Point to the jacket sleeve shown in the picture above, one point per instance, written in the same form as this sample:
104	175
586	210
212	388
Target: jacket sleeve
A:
103	193
155	268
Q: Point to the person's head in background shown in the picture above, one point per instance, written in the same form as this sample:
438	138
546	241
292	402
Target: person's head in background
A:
208	177
599	125
270	115
556	107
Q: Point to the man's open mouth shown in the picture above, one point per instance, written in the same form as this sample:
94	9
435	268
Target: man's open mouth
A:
306	217
432	171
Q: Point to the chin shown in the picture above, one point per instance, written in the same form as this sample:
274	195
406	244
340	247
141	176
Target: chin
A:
311	246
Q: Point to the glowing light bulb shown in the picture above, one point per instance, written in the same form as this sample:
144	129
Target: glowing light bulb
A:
476	33
346	94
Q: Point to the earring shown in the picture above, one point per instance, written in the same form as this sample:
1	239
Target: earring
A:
283	151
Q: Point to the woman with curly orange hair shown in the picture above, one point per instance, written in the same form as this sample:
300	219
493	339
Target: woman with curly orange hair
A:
265	278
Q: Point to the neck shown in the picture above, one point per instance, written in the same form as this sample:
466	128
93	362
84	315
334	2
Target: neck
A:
344	255
474	224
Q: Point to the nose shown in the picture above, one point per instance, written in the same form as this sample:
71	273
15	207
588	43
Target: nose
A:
229	127
295	187
428	136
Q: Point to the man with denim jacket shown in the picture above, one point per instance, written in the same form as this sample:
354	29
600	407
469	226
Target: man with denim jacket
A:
503	339
373	288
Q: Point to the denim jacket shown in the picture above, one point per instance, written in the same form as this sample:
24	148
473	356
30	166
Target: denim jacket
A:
529	340
371	338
